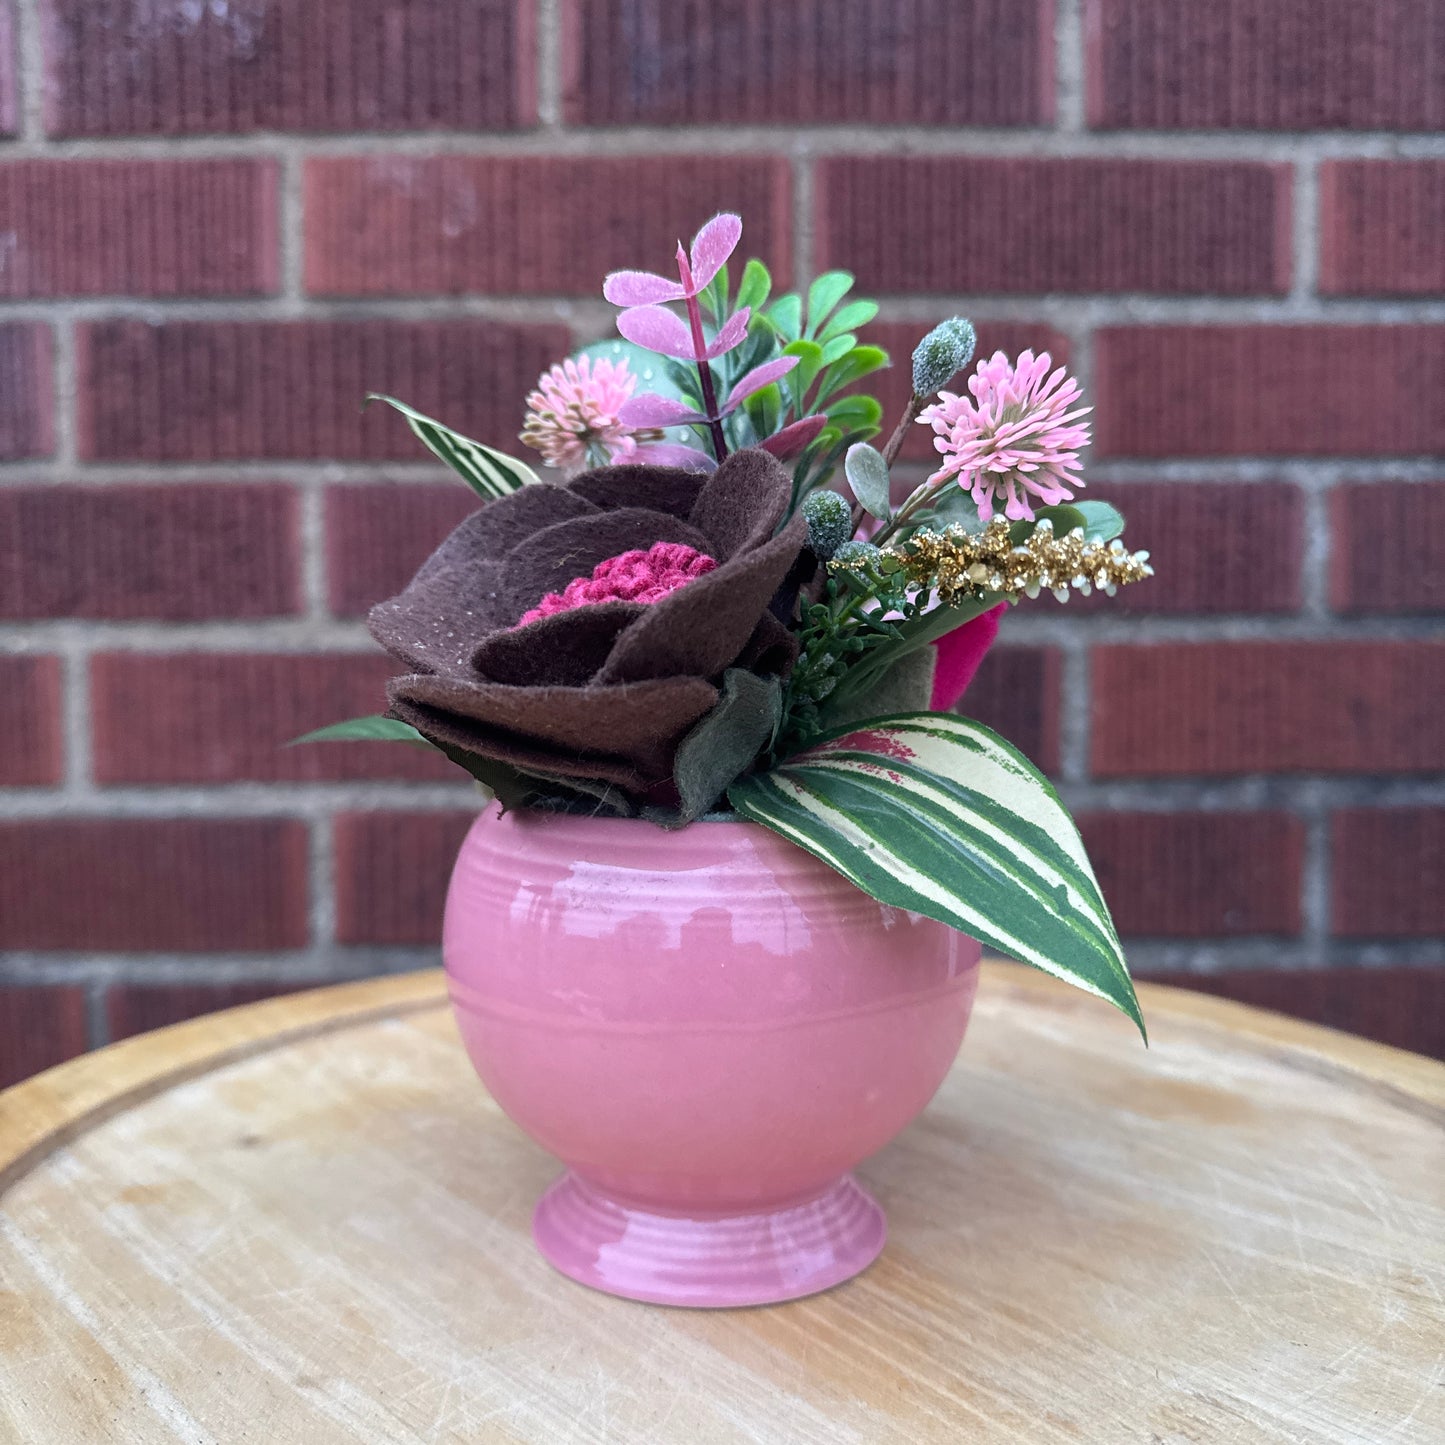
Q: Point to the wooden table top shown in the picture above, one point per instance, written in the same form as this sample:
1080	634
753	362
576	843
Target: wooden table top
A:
304	1221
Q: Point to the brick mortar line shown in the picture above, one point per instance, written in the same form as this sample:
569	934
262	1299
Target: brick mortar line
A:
312	539
321	881
1053	141
1317	545
335	964
1070	69
97	1025
548	20
1310	473
313	801
1074	714
1305	227
805	241
1316	874
301	474
1254	793
65	386
290	232
75	719
1275	953
591	316
29	71
1052	623
348	961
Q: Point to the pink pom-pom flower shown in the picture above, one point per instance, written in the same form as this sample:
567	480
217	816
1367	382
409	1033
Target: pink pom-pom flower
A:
572	416
1016	441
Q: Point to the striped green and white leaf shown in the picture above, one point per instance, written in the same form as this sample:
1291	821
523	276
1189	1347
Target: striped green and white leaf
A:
939	815
488	472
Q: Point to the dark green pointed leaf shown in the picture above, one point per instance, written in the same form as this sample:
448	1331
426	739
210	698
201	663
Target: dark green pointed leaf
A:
373	729
726	740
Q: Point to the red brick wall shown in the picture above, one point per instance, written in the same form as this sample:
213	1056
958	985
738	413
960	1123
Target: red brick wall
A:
221	224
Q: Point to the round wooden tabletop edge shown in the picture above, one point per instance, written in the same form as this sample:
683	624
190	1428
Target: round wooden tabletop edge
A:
39	1114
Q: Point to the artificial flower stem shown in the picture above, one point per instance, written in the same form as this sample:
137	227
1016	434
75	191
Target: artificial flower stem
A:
915	405
699	351
914	501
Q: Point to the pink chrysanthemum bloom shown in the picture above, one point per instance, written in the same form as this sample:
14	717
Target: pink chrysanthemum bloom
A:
1016	440
572	415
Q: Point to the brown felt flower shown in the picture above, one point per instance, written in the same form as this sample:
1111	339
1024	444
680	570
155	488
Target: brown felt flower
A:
605	690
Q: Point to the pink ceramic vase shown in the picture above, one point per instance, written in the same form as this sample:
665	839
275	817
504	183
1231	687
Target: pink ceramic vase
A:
710	1028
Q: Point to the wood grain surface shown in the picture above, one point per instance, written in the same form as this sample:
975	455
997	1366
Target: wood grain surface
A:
304	1221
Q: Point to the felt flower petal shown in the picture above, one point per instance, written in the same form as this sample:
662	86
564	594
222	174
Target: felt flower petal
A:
455	591
734	332
563	650
711	247
697	630
657	329
625	734
759	377
742	502
548	560
640	288
651	410
638	484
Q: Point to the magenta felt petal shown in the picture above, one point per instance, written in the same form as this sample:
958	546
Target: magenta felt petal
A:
712	246
794	437
640	288
959	654
649	410
674	454
733	333
758	377
657	329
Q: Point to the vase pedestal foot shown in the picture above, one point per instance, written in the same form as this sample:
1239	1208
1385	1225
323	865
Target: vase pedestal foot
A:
709	1261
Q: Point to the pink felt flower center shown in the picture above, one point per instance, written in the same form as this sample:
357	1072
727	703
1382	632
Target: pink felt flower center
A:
635	576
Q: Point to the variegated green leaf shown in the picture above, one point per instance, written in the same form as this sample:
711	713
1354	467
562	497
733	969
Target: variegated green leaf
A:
488	472
939	815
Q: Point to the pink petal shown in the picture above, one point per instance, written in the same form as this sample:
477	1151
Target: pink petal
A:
794	437
674	454
712	246
650	410
639	288
758	377
733	333
959	654
658	330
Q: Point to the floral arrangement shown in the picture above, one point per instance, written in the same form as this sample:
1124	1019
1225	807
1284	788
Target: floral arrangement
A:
694	621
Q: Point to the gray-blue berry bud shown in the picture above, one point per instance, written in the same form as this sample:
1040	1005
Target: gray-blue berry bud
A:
946	349
830	523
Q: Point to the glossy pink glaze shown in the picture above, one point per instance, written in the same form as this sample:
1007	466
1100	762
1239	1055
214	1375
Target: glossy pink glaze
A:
710	1028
